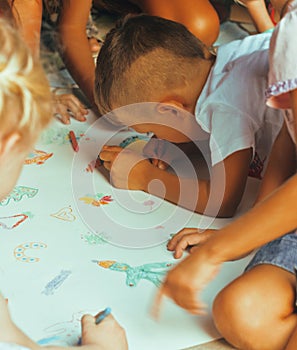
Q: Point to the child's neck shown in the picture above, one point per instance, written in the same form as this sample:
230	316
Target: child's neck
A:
201	76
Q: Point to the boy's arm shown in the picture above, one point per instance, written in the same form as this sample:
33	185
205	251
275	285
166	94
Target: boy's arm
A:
268	220
75	46
293	100
218	196
259	14
281	165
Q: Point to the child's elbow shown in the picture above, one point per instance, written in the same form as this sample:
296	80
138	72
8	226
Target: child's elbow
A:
228	207
227	211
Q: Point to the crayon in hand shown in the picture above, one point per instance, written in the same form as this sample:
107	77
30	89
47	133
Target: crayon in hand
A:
99	319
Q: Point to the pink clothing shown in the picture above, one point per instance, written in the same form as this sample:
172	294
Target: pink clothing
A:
283	60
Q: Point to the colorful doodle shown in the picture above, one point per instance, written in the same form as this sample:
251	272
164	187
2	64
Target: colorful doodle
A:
49	340
56	282
65	333
94	238
64	214
37	157
18	193
20	251
152	272
59	136
131	139
11	222
96	200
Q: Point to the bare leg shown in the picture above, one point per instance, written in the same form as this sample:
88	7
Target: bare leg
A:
256	311
293	341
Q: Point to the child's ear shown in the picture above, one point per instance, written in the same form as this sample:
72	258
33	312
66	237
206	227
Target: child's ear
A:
8	143
169	107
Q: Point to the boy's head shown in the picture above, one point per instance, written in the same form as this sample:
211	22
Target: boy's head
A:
149	59
25	104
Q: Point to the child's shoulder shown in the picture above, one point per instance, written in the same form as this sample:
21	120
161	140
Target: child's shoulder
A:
243	47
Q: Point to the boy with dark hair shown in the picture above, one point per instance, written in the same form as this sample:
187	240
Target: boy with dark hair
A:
150	59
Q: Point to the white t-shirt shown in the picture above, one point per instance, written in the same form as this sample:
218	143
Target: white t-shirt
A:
283	65
232	106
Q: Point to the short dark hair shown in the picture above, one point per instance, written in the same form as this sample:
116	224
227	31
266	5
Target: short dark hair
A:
133	38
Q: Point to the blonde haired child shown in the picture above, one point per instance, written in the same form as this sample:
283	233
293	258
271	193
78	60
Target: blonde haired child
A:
25	110
258	309
24	104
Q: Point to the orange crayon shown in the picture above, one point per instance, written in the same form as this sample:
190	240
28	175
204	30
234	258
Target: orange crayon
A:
73	141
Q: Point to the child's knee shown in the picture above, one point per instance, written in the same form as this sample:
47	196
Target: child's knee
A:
234	315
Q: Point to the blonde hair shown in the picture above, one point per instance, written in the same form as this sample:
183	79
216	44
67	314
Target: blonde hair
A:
25	98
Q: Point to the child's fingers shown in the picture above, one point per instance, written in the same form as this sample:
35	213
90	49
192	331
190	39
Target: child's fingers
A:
107	165
112	148
87	319
64	117
108	156
71	104
155	311
175	239
191	304
162	165
185	243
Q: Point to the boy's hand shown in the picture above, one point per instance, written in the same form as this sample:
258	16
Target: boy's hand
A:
161	152
185	282
107	335
187	239
67	106
128	169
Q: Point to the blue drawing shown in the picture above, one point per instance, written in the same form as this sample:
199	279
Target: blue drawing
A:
127	141
49	340
56	282
153	272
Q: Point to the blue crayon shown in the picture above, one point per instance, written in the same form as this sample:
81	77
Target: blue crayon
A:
102	315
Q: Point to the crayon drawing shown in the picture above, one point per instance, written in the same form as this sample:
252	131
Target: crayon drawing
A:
94	238
64	333
20	251
37	157
96	200
60	136
18	193
13	221
56	282
153	272
64	214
